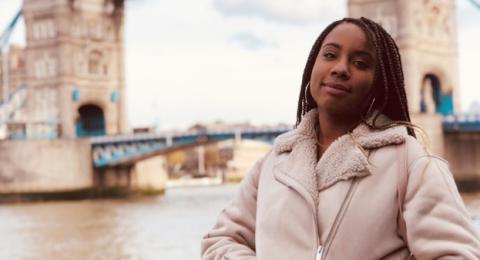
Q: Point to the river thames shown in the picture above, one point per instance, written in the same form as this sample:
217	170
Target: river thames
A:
167	227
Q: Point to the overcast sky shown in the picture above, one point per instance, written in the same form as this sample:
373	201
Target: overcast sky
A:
193	61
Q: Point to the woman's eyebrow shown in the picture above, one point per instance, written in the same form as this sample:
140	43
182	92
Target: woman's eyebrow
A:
336	45
356	53
363	53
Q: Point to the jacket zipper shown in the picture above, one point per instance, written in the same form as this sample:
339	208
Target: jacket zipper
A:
323	250
320	251
320	248
319	255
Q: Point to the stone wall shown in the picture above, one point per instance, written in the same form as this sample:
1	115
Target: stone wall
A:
246	153
150	174
45	166
430	132
147	175
463	153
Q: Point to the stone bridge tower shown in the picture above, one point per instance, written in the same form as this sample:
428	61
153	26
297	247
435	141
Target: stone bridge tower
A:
426	34
74	57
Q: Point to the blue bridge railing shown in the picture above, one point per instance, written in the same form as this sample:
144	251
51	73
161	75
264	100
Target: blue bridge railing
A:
115	150
464	123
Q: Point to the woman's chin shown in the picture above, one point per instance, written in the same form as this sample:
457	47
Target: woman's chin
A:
335	109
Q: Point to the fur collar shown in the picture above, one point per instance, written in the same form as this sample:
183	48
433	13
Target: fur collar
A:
345	158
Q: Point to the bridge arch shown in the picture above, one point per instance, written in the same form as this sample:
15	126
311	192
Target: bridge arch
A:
433	97
90	121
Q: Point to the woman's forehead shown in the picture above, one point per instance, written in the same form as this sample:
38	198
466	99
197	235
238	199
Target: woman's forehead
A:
348	35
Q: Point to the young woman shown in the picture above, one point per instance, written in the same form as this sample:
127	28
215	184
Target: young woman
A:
350	181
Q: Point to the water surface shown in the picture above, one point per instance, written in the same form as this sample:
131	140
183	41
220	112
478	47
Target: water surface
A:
166	227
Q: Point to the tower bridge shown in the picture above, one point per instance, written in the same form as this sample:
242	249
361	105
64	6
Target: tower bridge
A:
63	94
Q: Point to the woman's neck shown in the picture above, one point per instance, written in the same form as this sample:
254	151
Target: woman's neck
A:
333	126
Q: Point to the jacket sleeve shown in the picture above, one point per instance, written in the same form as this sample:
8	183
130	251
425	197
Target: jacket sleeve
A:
437	222
233	236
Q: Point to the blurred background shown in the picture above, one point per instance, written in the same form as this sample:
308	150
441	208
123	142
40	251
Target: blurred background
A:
126	125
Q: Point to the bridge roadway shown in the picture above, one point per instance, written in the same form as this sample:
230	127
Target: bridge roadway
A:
109	151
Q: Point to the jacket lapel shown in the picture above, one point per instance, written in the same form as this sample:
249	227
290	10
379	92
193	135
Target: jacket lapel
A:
299	164
299	167
341	161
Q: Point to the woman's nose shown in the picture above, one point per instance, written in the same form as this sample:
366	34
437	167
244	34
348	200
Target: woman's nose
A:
340	70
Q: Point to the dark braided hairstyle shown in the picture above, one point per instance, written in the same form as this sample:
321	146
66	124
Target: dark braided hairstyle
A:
388	90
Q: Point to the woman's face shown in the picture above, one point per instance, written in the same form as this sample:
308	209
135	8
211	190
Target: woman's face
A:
343	73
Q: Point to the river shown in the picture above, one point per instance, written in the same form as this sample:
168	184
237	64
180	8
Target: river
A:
167	227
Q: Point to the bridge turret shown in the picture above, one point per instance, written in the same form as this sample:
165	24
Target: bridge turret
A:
75	68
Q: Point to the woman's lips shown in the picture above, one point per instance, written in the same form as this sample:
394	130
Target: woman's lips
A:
336	89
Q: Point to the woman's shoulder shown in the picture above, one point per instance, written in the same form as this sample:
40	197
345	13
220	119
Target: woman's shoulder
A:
418	151
417	154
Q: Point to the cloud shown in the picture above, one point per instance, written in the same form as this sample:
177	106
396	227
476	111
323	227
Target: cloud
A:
249	41
297	12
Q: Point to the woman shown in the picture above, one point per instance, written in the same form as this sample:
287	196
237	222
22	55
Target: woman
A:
332	187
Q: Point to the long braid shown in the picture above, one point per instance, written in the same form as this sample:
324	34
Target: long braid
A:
388	87
381	63
400	73
396	80
395	102
392	77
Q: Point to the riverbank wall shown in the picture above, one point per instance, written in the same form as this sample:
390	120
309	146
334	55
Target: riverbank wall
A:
63	169
45	166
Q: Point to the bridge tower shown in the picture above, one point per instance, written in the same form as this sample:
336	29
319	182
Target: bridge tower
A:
74	58
426	34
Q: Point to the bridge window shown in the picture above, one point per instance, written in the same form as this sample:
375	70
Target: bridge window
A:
43	29
45	66
39	68
94	62
97	64
105	69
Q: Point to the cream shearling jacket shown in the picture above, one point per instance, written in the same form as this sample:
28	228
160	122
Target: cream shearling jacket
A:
291	205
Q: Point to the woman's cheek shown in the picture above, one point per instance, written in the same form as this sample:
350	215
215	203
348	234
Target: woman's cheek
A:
366	85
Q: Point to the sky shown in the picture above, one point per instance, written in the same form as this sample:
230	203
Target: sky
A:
189	61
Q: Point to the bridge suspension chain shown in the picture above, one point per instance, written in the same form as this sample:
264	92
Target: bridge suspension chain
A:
475	3
5	36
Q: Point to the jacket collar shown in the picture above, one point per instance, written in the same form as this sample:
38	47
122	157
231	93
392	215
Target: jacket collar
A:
345	158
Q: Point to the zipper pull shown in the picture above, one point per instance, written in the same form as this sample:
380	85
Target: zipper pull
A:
319	253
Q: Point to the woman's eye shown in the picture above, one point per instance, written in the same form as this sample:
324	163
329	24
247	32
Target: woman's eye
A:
328	55
360	64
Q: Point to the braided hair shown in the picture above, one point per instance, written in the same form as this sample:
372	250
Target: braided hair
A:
388	97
